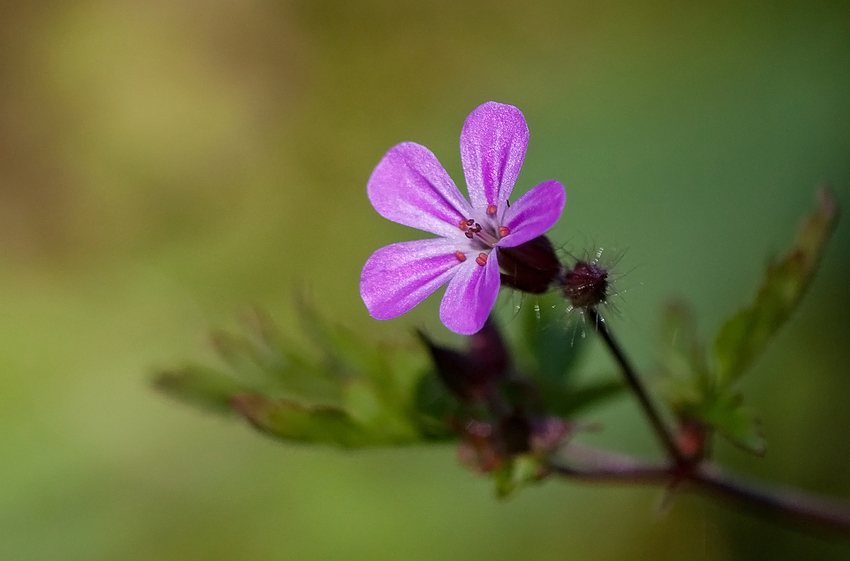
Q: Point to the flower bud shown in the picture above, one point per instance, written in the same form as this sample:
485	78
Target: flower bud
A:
472	375
585	285
530	267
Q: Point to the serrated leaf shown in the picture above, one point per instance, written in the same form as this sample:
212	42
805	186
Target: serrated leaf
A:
264	360
353	394
742	339
293	421
207	388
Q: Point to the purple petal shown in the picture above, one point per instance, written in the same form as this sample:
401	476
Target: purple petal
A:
399	276
533	213
410	186
470	296
492	148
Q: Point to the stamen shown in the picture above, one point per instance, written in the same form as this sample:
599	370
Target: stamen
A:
503	231
460	256
464	224
481	259
491	209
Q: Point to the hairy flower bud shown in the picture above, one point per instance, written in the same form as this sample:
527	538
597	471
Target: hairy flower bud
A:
586	285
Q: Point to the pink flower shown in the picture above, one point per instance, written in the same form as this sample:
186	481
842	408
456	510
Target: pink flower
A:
410	187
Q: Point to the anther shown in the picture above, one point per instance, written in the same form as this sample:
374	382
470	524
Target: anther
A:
503	231
481	259
460	256
491	209
463	225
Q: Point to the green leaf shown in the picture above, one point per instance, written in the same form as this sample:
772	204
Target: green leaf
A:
744	337
567	401
434	405
683	352
207	388
733	420
545	339
293	421
703	391
344	390
269	363
516	473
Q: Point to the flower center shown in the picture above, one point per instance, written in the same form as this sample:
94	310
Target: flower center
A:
484	237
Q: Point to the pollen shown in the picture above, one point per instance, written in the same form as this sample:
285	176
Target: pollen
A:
481	259
491	209
503	231
464	224
460	256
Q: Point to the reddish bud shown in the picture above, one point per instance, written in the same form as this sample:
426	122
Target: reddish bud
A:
530	267
691	438
585	285
472	375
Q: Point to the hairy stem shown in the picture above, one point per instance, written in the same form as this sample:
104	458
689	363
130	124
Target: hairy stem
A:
637	387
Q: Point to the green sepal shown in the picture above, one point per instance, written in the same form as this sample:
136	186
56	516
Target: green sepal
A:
518	472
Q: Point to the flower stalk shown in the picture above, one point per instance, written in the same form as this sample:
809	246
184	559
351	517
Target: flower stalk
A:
635	384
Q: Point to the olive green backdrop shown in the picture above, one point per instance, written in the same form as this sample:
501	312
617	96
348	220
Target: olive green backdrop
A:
165	164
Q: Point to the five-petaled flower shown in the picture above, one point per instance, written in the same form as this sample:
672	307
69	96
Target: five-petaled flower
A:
409	186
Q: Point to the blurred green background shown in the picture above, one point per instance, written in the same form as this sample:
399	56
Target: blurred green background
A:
164	164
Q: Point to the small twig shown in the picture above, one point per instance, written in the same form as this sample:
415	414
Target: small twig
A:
592	465
792	505
636	385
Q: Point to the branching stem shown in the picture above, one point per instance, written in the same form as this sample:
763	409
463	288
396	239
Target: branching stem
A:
592	465
682	473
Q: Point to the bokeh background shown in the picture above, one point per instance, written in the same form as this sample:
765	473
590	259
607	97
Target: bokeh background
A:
164	164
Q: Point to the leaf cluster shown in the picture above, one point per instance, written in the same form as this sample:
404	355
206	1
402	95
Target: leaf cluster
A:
701	380
336	389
